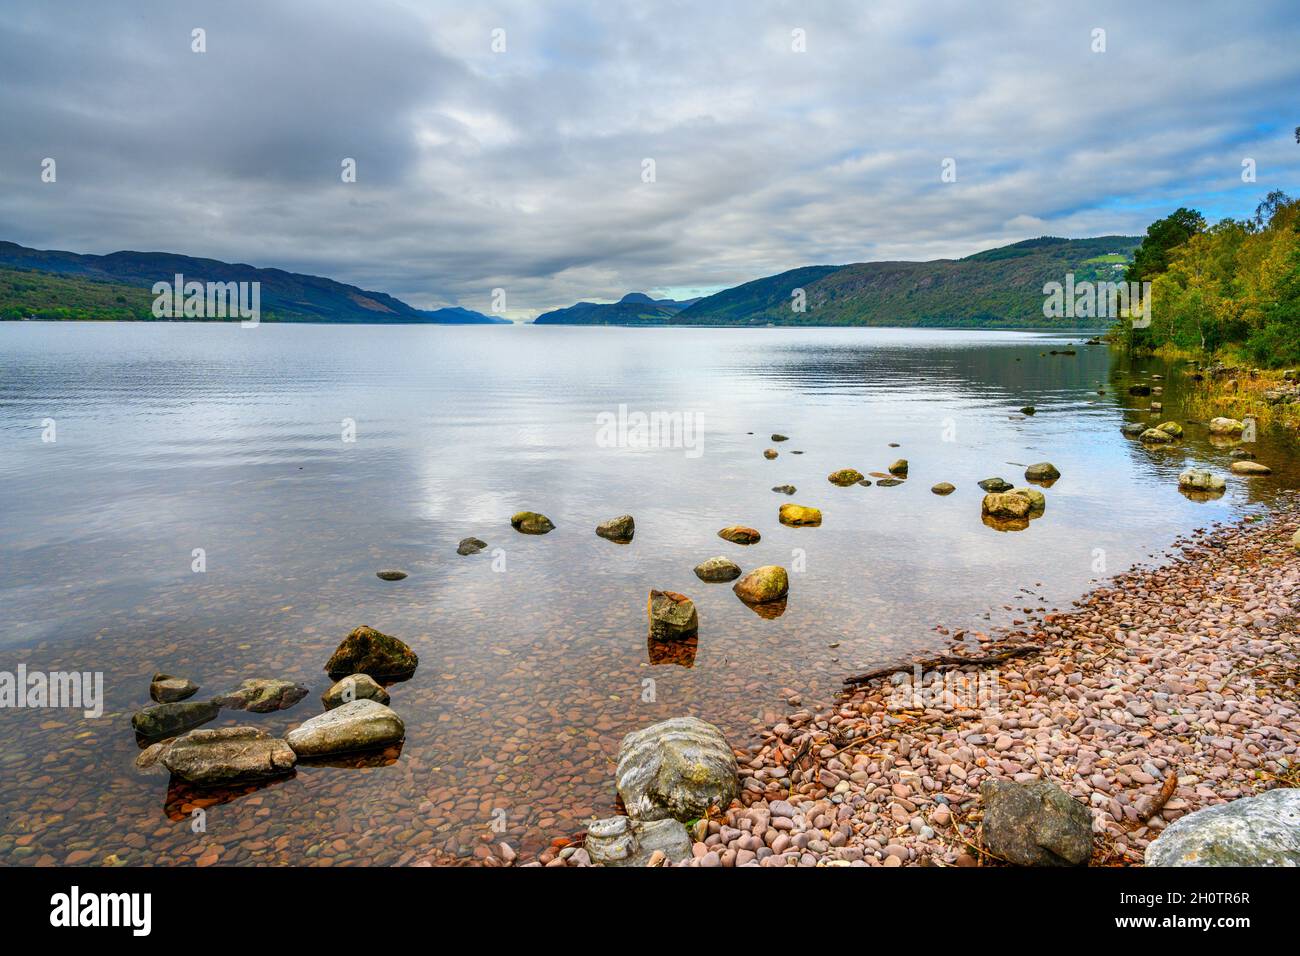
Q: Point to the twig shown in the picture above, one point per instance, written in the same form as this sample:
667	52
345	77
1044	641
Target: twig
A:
944	660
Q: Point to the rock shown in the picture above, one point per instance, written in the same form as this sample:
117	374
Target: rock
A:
799	516
530	522
1295	540
622	841
1028	410
943	488
620	529
367	651
739	534
1035	824
785	489
770	453
167	720
1247	467
358	725
1226	426
865	482
227	755
353	687
1263	830
1043	471
717	569
995	485
166	689
779	437
1156	407
390	575
677	769
845	477
763	585
899	468
1139	389
470	546
1155	436
886	482
1173	429
1133	429
1037	500
1198	479
1242	453
1005	505
263	695
672	616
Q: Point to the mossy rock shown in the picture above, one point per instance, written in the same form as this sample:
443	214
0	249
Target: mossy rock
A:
367	651
845	477
530	522
800	516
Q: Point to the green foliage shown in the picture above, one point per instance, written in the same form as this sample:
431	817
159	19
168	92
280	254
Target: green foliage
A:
1163	236
29	294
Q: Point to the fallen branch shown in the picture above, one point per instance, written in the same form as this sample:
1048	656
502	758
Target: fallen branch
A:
1160	799
943	660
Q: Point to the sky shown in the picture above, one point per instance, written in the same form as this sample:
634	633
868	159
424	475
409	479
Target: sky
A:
567	151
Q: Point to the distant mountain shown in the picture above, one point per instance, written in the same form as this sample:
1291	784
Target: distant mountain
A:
998	288
285	296
635	308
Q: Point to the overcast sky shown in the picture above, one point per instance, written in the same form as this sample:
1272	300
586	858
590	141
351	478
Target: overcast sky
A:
523	169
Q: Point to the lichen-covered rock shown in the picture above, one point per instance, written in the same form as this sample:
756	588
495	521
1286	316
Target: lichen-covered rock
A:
166	720
353	687
716	570
227	755
845	477
899	468
1252	831
799	516
166	689
1005	505
995	485
1155	436
762	585
358	725
530	522
367	651
470	546
263	695
1199	479
1035	824
739	534
1226	426
943	488
1042	471
1171	428
1247	467
672	616
677	768
620	529
1037	500
622	841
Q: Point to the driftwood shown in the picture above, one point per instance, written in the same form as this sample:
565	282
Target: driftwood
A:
1160	799
943	660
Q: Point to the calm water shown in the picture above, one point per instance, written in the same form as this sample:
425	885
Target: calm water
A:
534	658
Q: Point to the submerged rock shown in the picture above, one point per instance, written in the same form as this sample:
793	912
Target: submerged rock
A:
672	616
530	522
888	482
785	489
899	468
1263	830
865	482
354	687
799	516
263	695
227	755
358	725
739	534
1005	505
1035	824
1247	467
677	769
166	689
1028	410
392	575
1226	426
367	651
167	720
763	585
622	841
620	529
470	546
1042	471
1199	479
845	477
995	485
943	488
717	570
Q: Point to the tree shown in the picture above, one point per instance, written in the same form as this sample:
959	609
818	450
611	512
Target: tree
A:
1163	236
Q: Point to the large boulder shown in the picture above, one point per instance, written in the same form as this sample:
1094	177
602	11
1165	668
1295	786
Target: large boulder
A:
167	720
800	516
677	768
1042	471
1199	479
1226	426
717	570
358	725
227	755
620	529
672	616
763	585
530	522
622	841
166	689
367	651
353	687
1035	824
1006	505
739	534
1252	831
263	695
845	477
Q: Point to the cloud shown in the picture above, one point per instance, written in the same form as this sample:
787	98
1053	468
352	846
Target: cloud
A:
522	169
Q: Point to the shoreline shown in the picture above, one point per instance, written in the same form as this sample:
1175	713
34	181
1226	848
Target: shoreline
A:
1165	690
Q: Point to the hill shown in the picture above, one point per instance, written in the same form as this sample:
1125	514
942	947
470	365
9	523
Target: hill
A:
635	308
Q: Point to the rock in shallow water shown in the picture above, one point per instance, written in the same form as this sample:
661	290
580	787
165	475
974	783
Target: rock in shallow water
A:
470	546
353	687
800	516
622	841
672	616
1199	479
359	725
763	585
677	768
164	720
1252	831
391	575
530	522
785	489
620	529
1006	505
1247	467
1035	824
263	695
1037	500
717	569
739	534
166	689
367	651
227	755
995	485
1042	471
1226	426
845	477
899	468
943	488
